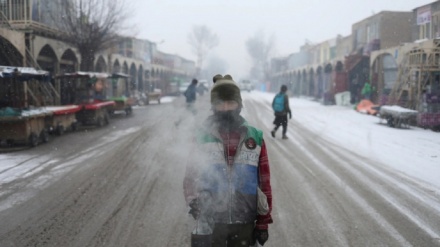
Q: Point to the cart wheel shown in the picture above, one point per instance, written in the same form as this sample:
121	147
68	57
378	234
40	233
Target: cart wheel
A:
44	136
100	122
128	111
390	121
33	140
74	126
10	142
436	128
106	119
60	130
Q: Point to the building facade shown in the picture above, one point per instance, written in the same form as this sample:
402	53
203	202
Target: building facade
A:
29	38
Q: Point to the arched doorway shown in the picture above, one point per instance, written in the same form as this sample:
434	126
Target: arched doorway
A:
304	85
47	59
101	65
319	82
68	64
116	67
125	68
384	75
9	55
133	77
311	82
339	78
141	85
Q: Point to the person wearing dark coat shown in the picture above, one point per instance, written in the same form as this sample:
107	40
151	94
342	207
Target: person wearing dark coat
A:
280	104
191	95
191	91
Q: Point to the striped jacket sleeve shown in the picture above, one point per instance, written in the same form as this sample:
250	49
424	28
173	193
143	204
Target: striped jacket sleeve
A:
264	183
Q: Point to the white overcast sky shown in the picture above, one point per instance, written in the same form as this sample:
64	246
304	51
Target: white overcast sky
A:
291	22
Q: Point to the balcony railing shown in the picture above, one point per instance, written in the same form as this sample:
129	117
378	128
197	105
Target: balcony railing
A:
19	14
426	58
15	10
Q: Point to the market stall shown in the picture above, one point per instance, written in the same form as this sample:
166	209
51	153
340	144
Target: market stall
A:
120	93
89	91
63	118
22	118
24	127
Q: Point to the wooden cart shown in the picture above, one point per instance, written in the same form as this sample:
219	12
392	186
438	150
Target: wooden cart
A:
96	113
120	93
23	92
122	104
63	118
90	94
154	96
397	116
27	128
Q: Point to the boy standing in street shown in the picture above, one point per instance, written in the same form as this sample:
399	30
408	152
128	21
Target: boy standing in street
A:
280	105
227	182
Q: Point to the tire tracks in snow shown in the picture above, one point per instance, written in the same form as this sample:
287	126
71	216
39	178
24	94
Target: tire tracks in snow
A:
353	195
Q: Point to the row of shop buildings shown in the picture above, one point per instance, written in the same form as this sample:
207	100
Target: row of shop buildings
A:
397	52
28	38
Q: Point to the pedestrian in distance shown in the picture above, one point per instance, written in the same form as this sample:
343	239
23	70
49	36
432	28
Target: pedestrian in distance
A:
227	180
280	105
354	88
191	96
201	89
366	90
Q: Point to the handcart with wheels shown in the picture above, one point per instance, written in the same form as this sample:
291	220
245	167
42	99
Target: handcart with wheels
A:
119	92
26	127
154	95
63	118
397	116
90	94
22	115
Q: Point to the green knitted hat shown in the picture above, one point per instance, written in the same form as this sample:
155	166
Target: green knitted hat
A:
224	89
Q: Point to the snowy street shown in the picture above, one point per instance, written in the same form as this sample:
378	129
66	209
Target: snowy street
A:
341	179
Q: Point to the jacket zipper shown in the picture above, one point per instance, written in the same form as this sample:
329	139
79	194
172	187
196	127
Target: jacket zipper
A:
229	167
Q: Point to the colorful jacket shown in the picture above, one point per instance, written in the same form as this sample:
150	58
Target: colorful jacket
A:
366	89
233	187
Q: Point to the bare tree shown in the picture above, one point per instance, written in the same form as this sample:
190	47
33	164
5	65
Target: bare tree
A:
202	40
215	65
260	50
91	25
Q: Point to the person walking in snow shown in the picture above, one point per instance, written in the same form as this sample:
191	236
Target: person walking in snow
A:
191	96
227	180
280	105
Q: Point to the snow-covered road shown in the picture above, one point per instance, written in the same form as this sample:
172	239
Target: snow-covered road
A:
341	179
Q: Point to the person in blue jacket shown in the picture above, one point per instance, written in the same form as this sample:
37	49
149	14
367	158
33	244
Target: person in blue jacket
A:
280	105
